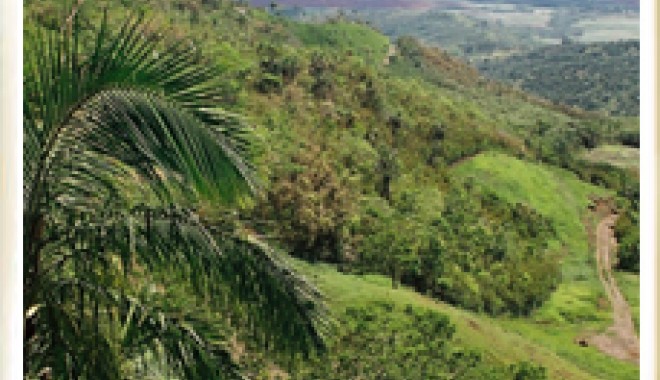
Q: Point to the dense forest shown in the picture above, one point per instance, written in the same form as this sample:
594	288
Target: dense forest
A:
217	191
597	76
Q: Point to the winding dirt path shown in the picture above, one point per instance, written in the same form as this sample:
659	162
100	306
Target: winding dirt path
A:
620	340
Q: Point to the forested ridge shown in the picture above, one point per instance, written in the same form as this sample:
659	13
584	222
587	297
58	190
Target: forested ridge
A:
597	76
267	162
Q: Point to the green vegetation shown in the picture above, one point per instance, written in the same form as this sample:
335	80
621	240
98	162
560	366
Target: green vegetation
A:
458	33
583	55
627	234
615	155
558	196
476	251
575	308
477	30
383	340
629	285
345	38
499	346
94	120
431	187
597	76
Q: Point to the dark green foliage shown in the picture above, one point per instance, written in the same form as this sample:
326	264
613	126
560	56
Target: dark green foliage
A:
627	234
277	68
599	76
476	251
383	342
320	69
527	371
626	184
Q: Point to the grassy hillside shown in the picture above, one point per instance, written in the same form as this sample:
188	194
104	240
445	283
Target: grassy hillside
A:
555	193
501	340
344	38
563	198
473	330
578	307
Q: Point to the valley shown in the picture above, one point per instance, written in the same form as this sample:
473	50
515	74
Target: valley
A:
584	54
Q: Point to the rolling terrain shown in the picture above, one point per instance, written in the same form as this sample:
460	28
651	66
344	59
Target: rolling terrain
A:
584	55
443	215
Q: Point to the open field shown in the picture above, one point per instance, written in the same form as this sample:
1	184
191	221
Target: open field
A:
361	41
534	18
609	28
617	155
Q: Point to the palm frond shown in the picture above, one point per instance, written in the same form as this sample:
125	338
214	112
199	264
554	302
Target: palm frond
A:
131	119
242	279
123	80
119	330
282	305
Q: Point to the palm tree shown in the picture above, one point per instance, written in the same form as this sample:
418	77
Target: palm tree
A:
123	141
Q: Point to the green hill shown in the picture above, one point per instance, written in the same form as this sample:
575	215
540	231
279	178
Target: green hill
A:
406	168
556	194
575	308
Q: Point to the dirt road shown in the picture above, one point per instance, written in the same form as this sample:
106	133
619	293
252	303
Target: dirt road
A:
391	52
620	340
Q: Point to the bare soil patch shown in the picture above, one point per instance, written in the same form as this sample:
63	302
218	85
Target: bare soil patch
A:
620	340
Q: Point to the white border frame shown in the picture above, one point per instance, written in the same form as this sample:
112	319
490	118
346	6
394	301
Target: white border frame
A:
648	206
11	189
11	197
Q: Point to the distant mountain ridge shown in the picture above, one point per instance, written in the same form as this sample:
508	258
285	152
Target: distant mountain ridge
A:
353	4
417	4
